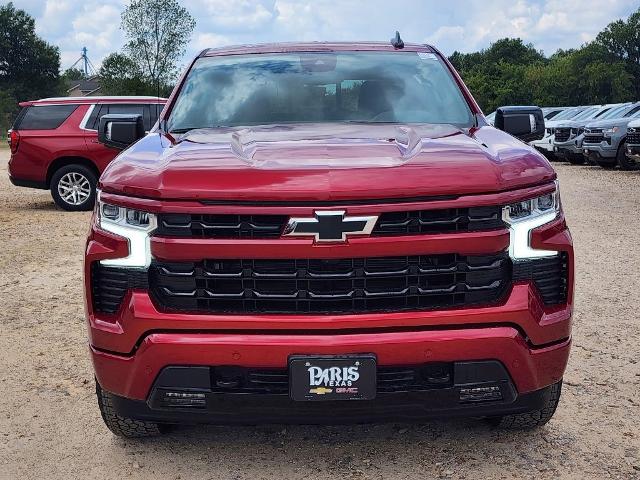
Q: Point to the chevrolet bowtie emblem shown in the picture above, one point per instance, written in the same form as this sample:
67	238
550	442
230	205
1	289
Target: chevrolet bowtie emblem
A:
321	390
330	226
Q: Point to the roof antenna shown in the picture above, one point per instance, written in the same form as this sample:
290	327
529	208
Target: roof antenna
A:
397	41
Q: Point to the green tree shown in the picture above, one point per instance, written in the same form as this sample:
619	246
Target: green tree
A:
157	32
622	39
72	74
29	66
119	75
495	75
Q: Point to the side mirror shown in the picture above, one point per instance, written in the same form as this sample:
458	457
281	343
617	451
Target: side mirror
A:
525	123
120	130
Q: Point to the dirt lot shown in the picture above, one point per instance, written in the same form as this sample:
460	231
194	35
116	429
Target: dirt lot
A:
50	426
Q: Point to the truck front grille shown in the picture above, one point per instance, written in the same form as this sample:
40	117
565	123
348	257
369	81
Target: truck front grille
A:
330	286
593	135
413	222
562	134
633	136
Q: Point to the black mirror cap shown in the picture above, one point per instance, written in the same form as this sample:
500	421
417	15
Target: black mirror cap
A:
120	130
525	123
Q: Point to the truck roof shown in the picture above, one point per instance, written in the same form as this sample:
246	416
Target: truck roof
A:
312	47
96	99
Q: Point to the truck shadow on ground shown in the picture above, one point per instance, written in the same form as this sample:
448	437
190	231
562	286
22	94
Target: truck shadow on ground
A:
339	449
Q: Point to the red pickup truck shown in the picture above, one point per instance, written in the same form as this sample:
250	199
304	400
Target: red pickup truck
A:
54	144
327	232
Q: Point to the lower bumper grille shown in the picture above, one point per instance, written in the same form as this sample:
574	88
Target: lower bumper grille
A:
109	285
276	381
330	286
550	276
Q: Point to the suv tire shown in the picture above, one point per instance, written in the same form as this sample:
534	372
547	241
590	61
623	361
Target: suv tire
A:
73	188
535	418
123	426
625	162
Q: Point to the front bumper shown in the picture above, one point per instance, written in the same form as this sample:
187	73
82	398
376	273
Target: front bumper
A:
132	376
569	149
599	150
545	145
240	408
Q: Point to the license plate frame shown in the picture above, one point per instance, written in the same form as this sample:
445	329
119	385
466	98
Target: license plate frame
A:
326	383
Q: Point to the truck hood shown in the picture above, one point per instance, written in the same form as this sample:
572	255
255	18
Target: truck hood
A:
572	124
325	162
613	122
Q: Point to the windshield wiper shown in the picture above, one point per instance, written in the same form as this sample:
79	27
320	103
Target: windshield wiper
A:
183	130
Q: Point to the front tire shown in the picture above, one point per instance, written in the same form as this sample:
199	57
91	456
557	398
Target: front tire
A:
73	188
625	162
535	418
123	426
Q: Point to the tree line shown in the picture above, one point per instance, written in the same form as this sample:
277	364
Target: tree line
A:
508	72
511	72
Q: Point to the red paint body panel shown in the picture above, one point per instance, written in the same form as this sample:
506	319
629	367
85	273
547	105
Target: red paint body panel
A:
301	167
132	377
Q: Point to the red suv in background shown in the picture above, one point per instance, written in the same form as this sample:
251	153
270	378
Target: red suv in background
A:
54	144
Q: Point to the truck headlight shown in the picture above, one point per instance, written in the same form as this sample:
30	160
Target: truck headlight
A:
134	225
608	132
522	217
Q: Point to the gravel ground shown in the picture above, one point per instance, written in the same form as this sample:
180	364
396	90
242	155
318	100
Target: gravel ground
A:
50	426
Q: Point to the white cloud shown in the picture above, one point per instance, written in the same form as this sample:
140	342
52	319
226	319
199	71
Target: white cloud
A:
455	25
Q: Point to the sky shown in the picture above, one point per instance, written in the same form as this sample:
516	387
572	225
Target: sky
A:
449	25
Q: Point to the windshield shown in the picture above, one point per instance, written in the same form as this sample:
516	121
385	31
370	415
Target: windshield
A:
615	112
552	114
375	87
588	113
567	114
634	112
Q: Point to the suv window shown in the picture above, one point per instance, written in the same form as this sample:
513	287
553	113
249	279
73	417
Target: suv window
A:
368	87
149	112
44	117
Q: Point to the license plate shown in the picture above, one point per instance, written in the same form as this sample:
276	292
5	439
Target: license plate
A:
342	377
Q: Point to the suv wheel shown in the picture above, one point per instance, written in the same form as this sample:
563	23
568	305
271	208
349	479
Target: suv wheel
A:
625	162
123	426
536	418
73	187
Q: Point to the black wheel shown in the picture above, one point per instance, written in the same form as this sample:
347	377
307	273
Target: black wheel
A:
534	419
607	164
73	187
625	162
123	426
